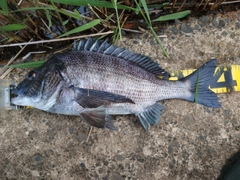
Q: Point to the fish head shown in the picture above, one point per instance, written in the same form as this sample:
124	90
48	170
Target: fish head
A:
39	86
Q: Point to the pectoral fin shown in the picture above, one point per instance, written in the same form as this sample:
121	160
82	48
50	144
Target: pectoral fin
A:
98	118
89	98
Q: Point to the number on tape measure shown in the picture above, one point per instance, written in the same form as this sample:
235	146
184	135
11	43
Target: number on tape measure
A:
225	78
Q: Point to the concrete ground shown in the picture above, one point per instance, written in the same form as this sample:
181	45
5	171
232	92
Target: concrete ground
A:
190	142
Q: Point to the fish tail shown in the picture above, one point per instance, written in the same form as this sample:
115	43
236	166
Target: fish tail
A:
199	83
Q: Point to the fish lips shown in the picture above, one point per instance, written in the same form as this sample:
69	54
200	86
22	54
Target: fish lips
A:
18	101
26	96
21	99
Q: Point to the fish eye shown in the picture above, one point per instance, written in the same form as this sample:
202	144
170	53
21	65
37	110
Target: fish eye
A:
31	75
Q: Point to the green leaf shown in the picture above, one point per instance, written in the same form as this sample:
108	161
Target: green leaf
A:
4	6
69	13
49	18
158	5
153	32
12	27
97	3
109	17
159	42
35	8
173	16
77	14
197	86
82	28
63	11
146	10
27	65
65	22
118	35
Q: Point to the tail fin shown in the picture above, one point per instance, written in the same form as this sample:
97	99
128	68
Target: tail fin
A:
199	82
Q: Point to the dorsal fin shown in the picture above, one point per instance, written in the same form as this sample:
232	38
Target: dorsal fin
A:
109	49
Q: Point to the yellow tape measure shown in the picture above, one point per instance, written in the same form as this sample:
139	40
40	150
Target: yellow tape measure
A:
225	78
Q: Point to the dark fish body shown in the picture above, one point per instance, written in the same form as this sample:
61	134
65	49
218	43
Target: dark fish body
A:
96	80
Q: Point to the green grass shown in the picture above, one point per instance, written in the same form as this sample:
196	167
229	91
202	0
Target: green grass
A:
12	27
173	16
4	6
118	34
27	65
104	4
149	22
82	28
197	86
57	13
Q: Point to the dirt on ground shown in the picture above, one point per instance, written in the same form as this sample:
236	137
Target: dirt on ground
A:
190	141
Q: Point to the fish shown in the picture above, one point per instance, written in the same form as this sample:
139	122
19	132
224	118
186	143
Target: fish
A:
96	80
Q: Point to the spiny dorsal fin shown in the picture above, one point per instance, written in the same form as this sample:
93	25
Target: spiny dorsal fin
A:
109	49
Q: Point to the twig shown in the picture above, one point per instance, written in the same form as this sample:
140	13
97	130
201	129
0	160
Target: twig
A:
177	5
57	40
29	54
181	6
4	72
90	132
228	2
20	2
45	25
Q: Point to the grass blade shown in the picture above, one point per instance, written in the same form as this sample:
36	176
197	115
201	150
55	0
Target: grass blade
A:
159	42
197	86
12	27
97	3
109	17
153	32
77	14
48	16
146	11
74	14
27	65
4	6
82	28
158	5
118	20
34	8
173	16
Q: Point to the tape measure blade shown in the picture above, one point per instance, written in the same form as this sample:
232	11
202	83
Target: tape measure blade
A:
236	76
225	78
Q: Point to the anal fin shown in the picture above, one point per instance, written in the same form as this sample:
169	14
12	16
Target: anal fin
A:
98	118
151	115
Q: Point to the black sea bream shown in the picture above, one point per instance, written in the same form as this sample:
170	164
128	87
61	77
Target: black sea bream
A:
96	80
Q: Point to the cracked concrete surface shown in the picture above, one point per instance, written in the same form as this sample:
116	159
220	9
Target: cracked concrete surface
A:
190	142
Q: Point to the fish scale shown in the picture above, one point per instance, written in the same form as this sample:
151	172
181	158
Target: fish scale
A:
118	80
96	80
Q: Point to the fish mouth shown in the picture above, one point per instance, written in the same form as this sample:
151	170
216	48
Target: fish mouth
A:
21	98
17	97
14	92
21	101
16	101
